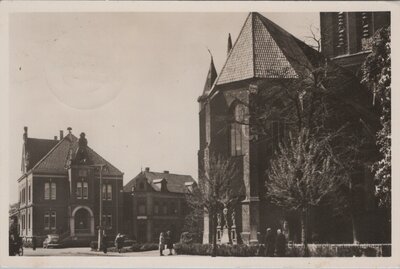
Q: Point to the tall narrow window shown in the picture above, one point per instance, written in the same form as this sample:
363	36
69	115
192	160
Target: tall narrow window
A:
78	190
85	190
104	192
236	132
29	193
47	220
341	33
53	220
109	192
107	220
53	191
278	133
23	195
47	191
29	220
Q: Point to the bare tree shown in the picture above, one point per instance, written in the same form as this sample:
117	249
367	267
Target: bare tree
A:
302	175
217	189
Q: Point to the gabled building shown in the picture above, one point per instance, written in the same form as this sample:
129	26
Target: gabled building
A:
59	190
154	202
262	62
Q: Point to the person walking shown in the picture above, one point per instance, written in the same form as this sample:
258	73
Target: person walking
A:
118	242
104	242
169	242
33	242
269	243
280	244
161	243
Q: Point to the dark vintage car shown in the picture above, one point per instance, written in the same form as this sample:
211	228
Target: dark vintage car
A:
52	241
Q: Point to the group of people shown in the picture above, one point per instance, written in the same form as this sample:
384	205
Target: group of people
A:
166	240
15	245
119	242
275	245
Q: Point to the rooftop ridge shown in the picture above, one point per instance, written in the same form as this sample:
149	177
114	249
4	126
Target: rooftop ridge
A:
48	153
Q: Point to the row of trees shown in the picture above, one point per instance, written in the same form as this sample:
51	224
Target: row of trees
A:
325	145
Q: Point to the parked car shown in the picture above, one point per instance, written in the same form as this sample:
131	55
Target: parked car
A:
52	241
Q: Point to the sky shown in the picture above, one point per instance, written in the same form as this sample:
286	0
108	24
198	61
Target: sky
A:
130	81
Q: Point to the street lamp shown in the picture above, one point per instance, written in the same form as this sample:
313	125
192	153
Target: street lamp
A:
101	166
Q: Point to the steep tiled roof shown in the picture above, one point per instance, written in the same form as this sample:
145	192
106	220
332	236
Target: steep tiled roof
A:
264	50
37	149
56	158
175	183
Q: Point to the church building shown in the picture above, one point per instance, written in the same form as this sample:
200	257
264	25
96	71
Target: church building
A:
65	188
260	65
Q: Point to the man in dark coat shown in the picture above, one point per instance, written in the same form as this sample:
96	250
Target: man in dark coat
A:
269	243
33	242
280	244
104	243
168	241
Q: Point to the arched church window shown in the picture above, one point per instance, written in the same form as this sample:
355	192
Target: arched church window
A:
236	130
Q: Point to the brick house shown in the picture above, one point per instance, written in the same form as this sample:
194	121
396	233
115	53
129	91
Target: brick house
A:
263	59
154	202
346	36
59	189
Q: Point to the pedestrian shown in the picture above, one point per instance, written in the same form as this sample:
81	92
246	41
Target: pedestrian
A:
119	242
161	243
168	240
269	243
104	242
33	242
280	244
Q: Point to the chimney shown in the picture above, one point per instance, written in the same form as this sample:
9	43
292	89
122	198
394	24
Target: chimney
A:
166	172
229	44
55	137
61	134
69	130
25	136
147	169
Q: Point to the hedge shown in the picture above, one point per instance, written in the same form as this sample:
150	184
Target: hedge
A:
315	250
222	250
129	246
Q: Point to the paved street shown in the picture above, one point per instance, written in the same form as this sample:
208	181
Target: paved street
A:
85	252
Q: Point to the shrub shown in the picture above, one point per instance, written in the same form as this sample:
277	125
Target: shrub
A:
336	250
315	250
190	238
222	250
129	246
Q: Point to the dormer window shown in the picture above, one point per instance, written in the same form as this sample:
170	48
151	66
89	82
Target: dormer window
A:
189	187
160	184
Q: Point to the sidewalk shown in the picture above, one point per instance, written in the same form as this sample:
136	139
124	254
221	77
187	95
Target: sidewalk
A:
85	252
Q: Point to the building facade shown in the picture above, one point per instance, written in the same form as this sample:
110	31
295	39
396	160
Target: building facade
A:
59	190
154	203
346	36
263	61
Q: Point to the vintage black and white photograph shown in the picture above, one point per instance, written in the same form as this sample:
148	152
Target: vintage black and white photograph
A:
200	134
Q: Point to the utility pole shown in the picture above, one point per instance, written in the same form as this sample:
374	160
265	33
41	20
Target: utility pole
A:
101	166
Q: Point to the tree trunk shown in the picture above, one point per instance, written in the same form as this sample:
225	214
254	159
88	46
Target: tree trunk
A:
214	235
354	229
304	231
